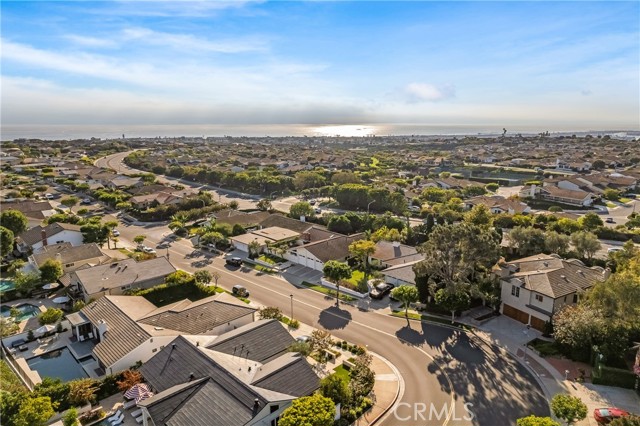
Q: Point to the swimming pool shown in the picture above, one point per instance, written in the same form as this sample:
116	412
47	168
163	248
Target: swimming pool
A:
6	284
27	311
58	364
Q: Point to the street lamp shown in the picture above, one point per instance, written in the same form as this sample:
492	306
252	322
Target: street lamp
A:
369	205
291	296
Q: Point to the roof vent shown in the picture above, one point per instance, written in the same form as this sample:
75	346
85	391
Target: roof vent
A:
191	376
564	277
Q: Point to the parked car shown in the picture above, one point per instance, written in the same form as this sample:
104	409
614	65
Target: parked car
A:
605	415
614	249
303	339
115	233
18	342
312	202
234	261
610	220
86	201
318	210
380	290
240	290
149	250
415	208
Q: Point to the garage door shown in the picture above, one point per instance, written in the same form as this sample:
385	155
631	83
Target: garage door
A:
537	323
516	314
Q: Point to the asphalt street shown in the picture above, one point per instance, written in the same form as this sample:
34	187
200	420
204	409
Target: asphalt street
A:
442	368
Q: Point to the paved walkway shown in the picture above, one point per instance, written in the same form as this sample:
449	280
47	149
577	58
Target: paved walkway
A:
386	388
512	336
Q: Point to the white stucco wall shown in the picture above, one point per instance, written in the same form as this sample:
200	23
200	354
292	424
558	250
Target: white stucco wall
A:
142	353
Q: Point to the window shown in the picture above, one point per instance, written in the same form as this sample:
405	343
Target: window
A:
515	291
539	298
274	408
575	298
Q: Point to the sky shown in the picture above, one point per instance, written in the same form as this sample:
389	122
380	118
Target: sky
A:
568	65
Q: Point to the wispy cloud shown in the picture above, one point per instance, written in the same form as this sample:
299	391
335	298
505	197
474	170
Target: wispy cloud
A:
176	8
425	92
190	42
87	41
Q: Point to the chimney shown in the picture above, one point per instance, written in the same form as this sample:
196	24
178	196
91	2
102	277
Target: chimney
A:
43	235
396	244
102	327
191	377
59	257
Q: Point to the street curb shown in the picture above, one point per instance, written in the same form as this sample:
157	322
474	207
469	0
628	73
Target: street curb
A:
397	395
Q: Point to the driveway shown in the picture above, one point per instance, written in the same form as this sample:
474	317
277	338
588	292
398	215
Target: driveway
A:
296	274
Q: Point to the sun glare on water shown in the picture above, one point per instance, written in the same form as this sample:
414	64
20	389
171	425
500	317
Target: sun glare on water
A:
345	130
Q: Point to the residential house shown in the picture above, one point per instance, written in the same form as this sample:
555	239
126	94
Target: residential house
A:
154	199
389	253
244	377
498	204
130	329
264	237
117	277
122	182
534	288
576	166
400	274
71	257
37	237
235	217
552	193
315	254
35	211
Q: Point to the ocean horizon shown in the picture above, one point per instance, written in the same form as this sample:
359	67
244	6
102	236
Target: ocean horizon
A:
113	131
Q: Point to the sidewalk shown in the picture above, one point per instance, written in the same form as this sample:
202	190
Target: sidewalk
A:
386	388
512	336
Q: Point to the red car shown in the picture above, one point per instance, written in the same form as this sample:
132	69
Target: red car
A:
605	415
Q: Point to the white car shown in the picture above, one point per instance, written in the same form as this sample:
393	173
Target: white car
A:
614	249
115	233
149	250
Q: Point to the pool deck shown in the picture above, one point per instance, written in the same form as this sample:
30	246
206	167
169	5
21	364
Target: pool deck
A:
42	304
114	403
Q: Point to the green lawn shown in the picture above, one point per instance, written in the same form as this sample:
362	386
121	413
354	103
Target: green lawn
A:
163	294
625	200
343	373
356	276
610	204
332	293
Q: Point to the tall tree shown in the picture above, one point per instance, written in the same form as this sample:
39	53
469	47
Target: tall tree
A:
526	240
34	411
334	387
452	300
336	271
6	241
203	277
95	233
479	215
590	221
407	294
586	244
361	250
14	220
301	208
454	253
51	271
557	243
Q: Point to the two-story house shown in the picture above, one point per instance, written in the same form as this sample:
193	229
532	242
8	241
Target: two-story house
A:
534	288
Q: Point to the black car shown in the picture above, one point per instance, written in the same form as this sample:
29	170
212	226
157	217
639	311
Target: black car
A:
234	261
380	290
240	291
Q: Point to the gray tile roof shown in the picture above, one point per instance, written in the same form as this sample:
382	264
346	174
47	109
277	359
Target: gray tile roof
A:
123	335
197	317
289	374
336	248
122	273
262	340
286	222
70	254
176	362
554	277
403	272
386	250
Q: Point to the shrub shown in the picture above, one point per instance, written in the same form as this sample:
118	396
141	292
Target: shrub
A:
610	376
50	316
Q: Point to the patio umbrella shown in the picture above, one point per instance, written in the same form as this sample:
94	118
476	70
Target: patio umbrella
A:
61	299
144	396
45	329
136	390
50	286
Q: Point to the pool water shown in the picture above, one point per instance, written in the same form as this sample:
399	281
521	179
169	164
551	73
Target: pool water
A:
26	311
58	364
6	284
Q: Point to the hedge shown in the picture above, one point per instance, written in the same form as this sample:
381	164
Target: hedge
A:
610	376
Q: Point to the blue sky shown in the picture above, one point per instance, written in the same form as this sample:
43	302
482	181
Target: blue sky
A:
559	65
